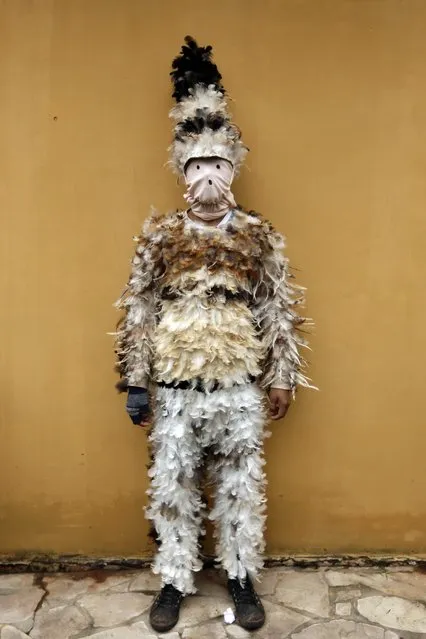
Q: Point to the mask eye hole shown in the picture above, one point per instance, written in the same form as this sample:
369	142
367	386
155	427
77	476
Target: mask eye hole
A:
218	166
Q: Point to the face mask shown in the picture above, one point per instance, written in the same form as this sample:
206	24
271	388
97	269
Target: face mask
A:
209	187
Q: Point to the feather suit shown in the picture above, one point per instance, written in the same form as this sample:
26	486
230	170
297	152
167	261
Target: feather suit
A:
210	323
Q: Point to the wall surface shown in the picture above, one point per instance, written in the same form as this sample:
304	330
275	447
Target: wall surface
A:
331	99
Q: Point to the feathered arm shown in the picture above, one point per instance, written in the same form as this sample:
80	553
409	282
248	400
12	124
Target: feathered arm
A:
278	301
133	346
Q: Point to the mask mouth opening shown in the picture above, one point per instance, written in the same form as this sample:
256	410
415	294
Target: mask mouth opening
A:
209	201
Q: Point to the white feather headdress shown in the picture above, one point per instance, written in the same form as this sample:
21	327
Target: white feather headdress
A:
203	123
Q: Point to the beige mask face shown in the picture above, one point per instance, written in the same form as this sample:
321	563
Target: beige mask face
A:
209	187
208	179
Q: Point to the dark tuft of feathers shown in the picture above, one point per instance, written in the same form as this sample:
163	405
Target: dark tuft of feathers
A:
215	121
192	125
197	124
194	66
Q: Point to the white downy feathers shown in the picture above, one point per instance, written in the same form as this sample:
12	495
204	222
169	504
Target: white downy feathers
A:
225	142
228	423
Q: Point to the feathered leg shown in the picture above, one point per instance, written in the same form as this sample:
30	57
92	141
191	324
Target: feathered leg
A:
240	503
175	507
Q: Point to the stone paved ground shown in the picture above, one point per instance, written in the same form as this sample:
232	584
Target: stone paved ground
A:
300	604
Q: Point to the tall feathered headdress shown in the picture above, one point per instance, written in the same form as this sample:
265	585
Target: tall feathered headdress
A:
203	123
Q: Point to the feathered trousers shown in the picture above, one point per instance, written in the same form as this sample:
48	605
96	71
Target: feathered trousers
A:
223	430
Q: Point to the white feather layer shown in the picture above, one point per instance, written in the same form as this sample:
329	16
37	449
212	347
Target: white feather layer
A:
224	143
229	423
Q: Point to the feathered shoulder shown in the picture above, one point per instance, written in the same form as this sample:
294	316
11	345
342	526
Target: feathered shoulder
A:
263	229
157	225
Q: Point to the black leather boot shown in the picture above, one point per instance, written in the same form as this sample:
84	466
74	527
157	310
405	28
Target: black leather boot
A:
249	610
164	613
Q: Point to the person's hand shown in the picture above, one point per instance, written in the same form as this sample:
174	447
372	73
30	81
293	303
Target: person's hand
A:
145	421
279	402
137	406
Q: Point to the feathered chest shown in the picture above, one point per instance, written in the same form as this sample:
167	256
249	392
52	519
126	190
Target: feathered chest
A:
233	251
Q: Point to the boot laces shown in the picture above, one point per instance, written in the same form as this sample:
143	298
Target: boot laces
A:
169	596
244	594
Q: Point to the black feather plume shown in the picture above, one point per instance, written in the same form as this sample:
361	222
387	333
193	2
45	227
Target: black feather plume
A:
194	66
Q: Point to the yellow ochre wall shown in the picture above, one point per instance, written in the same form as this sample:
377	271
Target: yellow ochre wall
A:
331	98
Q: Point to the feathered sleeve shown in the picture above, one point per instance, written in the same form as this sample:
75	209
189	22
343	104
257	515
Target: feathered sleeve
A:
133	339
277	313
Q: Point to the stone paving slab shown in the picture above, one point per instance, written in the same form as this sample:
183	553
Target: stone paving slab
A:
299	604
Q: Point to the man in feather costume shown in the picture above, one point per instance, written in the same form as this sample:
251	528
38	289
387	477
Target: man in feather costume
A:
208	350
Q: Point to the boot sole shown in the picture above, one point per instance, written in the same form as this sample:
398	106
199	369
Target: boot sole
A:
255	625
163	628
